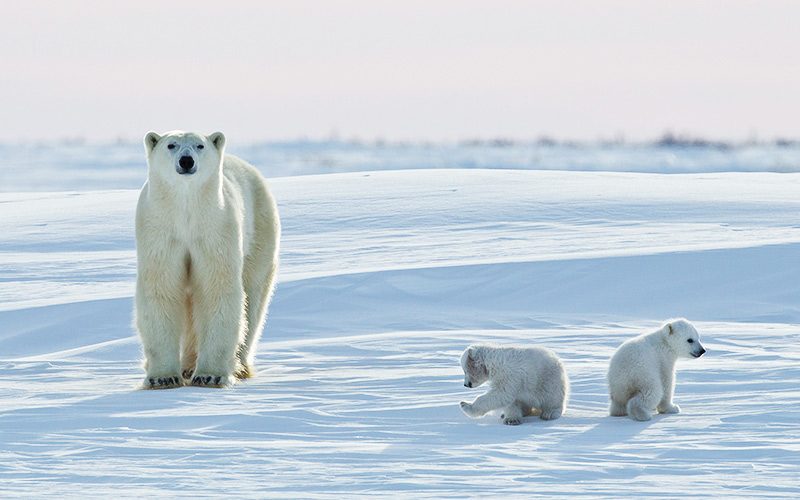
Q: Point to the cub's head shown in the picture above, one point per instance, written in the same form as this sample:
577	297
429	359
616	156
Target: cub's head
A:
475	372
176	154
683	338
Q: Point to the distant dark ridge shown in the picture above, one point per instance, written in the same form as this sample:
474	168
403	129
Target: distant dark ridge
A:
668	140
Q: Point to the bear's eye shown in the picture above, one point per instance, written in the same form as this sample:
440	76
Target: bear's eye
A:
691	341
171	146
200	146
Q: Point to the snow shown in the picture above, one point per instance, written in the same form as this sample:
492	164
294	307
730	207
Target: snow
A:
386	277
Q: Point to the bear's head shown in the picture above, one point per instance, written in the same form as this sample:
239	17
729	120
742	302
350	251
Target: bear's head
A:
472	362
683	338
179	154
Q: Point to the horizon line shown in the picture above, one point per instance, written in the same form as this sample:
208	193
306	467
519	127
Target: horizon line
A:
665	139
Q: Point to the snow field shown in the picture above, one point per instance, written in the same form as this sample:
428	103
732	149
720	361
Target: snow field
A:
386	278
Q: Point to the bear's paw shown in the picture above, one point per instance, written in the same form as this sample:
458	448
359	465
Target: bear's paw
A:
207	380
169	382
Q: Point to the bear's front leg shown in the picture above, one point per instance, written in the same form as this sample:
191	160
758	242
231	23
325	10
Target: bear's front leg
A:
469	410
666	405
492	400
219	321
159	321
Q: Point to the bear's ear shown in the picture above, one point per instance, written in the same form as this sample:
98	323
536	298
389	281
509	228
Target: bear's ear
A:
218	140
471	361
150	141
670	330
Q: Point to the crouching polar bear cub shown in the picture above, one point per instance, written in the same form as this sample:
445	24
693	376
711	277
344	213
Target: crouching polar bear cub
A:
207	235
641	375
525	381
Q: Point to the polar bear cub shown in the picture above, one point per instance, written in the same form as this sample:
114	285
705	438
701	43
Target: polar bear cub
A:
207	237
641	375
525	381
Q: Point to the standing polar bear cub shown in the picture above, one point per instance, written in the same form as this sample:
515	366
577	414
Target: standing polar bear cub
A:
641	375
525	381
207	237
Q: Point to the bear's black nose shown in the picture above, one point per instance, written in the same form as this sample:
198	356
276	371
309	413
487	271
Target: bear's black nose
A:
186	162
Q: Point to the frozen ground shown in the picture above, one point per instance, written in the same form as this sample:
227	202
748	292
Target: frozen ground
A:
386	277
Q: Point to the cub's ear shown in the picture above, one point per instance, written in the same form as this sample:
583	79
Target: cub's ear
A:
150	141
670	329
218	140
472	363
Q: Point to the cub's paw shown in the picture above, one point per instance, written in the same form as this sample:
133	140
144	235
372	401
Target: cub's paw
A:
616	409
639	414
187	374
512	420
202	380
169	382
669	409
468	409
550	414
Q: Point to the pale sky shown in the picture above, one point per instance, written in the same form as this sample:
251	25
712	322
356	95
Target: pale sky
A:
438	70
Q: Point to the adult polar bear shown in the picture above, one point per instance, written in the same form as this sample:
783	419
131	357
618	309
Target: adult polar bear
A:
207	237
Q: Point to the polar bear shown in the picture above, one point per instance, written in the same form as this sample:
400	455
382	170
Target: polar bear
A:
641	375
525	381
207	238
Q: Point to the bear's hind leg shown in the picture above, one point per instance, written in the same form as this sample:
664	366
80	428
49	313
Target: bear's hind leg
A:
188	343
259	285
532	412
550	413
640	406
666	407
617	409
255	311
188	361
512	414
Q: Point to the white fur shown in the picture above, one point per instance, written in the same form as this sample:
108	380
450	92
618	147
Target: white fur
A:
525	381
207	256
641	375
